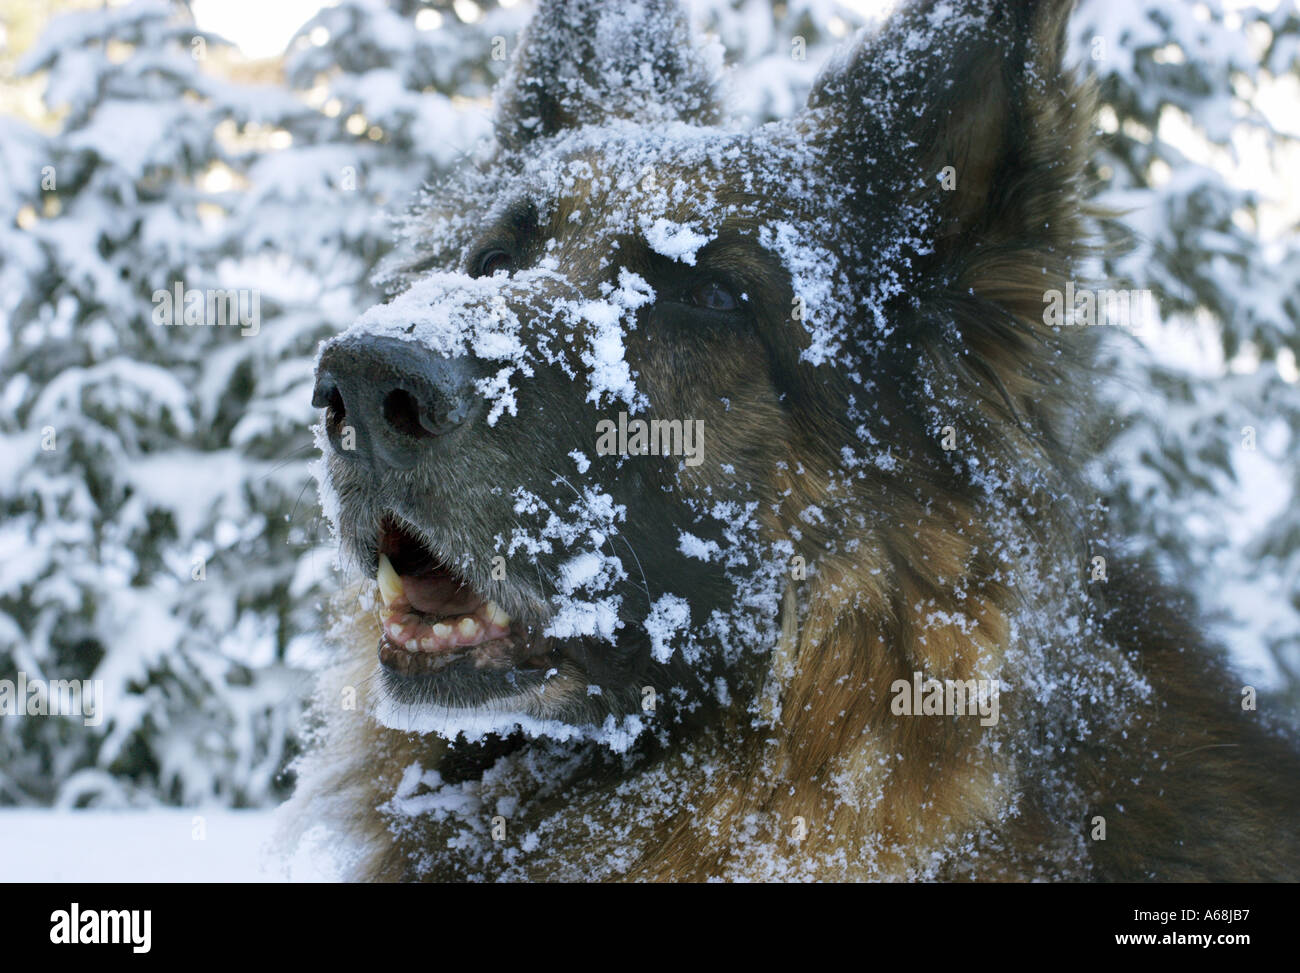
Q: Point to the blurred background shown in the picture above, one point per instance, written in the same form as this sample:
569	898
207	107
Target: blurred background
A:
159	528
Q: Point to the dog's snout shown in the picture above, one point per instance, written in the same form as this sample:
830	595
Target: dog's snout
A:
387	400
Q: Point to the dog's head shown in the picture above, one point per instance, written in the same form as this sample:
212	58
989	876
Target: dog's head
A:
649	380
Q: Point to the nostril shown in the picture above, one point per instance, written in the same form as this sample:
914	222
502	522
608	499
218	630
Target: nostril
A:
326	395
335	413
402	412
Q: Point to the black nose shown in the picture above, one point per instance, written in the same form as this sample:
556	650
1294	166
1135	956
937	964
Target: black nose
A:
387	401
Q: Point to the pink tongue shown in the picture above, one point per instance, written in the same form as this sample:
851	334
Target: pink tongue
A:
440	594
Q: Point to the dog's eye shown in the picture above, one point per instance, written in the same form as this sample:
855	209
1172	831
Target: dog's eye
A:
713	296
493	262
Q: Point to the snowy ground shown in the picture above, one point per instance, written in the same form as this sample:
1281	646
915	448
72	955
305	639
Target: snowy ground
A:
138	846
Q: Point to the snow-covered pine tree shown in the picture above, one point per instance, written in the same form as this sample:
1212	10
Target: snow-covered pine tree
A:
144	529
1203	465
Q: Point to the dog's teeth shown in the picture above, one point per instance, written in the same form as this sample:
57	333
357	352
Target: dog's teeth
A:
441	630
390	582
496	616
468	627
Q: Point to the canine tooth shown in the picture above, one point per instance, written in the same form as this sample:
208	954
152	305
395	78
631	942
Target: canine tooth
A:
390	582
496	616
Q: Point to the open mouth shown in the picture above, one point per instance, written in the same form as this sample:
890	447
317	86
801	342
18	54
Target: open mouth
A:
432	617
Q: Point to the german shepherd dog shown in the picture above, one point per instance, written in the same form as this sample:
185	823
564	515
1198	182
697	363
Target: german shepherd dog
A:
714	495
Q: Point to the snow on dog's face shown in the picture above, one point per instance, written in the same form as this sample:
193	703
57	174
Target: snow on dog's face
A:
617	428
642	370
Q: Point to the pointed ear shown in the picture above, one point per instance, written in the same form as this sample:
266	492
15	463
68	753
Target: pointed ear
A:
966	109
582	62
